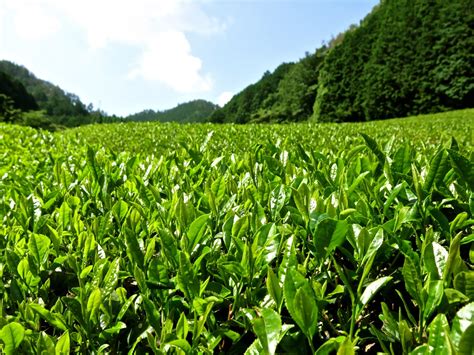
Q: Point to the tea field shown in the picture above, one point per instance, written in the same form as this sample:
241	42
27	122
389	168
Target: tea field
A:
257	239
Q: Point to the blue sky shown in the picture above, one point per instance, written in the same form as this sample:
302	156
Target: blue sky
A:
128	55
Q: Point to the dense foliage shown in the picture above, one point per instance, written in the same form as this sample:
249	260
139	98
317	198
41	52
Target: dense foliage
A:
13	89
249	104
406	57
167	238
297	90
192	111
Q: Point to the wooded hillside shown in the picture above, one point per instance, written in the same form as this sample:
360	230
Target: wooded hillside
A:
406	57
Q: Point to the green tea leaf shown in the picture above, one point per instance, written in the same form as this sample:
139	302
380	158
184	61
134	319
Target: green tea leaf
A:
438	333
402	160
421	350
111	278
463	320
274	288
268	328
463	167
63	344
199	326
435	292
464	282
196	231
116	328
466	344
55	320
393	195
306	311
182	327
38	246
300	302
454	296
357	182
406	335
45	344
330	346
438	169
289	259
412	279
74	306
93	303
435	258
328	235
218	189
153	316
371	290
133	248
454	262
346	348
169	246
255	348
12	335
181	344
240	227
120	210
65	215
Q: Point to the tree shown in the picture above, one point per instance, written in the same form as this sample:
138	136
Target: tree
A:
8	113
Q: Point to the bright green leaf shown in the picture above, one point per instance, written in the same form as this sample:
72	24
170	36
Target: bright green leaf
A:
268	328
12	335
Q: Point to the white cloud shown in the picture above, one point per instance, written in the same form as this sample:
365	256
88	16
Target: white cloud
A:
158	28
224	98
31	22
176	67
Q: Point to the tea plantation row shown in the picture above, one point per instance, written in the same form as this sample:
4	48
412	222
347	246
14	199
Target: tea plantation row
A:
259	239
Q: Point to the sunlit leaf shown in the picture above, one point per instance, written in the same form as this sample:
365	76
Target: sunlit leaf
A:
12	335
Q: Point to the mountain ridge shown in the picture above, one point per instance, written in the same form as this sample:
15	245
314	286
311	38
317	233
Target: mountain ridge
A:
194	111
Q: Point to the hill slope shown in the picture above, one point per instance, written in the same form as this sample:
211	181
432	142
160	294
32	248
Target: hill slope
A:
13	89
406	57
193	111
50	98
252	102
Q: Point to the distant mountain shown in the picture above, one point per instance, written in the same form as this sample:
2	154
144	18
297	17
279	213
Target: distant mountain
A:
189	112
49	97
15	90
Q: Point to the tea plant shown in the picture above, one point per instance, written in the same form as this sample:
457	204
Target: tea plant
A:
166	238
